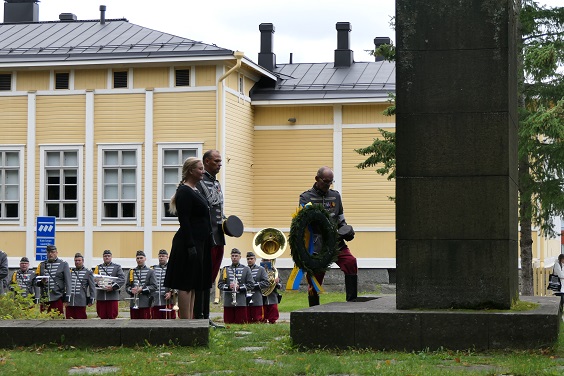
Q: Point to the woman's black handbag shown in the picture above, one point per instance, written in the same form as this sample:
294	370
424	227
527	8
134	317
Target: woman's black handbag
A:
553	283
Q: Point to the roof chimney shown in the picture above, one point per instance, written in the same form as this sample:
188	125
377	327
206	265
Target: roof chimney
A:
266	57
378	41
102	14
343	53
23	11
67	17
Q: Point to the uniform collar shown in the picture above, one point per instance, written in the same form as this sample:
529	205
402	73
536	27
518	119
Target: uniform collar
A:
210	175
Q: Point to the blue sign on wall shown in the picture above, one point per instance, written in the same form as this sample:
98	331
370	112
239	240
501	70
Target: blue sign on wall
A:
44	235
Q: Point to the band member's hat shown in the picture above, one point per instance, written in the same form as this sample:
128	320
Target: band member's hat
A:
140	253
163	252
235	251
78	254
233	226
51	248
250	254
107	252
24	259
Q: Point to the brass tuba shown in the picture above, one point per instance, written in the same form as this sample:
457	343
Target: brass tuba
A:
270	243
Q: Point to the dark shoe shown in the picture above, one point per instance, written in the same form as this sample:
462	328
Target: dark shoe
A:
313	300
216	326
351	287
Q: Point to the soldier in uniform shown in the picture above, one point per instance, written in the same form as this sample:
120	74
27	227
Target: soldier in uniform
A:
162	296
83	290
254	309
330	199
23	278
270	302
209	186
55	283
107	297
3	272
141	284
236	279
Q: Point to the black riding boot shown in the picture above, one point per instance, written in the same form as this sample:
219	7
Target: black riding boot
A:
351	287
198	304
313	300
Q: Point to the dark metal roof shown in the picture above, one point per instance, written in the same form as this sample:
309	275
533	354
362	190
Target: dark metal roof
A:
58	41
307	81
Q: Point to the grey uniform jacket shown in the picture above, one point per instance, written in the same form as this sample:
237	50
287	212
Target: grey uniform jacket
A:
112	270
272	298
244	279
83	289
144	277
331	201
261	281
58	285
211	189
3	272
159	294
24	280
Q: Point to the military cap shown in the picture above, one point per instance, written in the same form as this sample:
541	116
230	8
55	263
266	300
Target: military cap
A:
250	254
107	252
78	254
235	251
140	253
163	252
24	259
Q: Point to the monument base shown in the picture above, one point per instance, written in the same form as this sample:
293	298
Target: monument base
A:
377	324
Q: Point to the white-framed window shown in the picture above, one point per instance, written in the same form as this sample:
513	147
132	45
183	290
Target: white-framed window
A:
5	81
120	182
61	182
170	160
11	183
181	77
241	84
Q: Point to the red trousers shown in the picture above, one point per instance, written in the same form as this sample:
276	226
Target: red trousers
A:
235	315
107	309
216	259
140	313
56	305
271	313
346	262
73	312
254	314
156	312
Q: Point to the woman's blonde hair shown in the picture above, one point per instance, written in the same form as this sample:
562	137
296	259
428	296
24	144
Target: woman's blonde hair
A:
187	167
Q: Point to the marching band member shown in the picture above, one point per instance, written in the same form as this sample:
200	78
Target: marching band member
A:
331	201
4	271
270	302
107	297
162	296
236	279
83	289
23	278
254	309
140	285
55	283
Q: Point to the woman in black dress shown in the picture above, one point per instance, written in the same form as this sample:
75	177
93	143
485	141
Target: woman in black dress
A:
191	241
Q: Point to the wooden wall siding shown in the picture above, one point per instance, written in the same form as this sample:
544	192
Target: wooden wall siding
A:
119	118
310	115
150	77
162	240
13	117
60	119
374	244
249	83
238	159
365	193
205	75
32	80
285	164
90	79
123	244
366	114
13	243
69	243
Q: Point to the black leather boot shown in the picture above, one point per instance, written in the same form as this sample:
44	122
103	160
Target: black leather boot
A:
313	300
198	304
351	287
206	303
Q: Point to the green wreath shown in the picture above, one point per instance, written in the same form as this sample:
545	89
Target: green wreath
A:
317	262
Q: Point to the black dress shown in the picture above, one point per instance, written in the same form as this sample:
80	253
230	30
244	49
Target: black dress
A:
184	272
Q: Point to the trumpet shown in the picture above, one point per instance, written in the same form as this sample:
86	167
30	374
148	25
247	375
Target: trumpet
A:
235	287
174	297
135	297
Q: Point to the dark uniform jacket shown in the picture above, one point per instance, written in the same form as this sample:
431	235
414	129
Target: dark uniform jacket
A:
83	288
58	285
211	189
3	272
261	281
331	201
112	270
24	280
144	277
244	278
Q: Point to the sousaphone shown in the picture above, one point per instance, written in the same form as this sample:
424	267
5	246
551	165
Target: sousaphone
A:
270	243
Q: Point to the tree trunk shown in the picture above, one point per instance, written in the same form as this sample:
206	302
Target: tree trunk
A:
525	211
